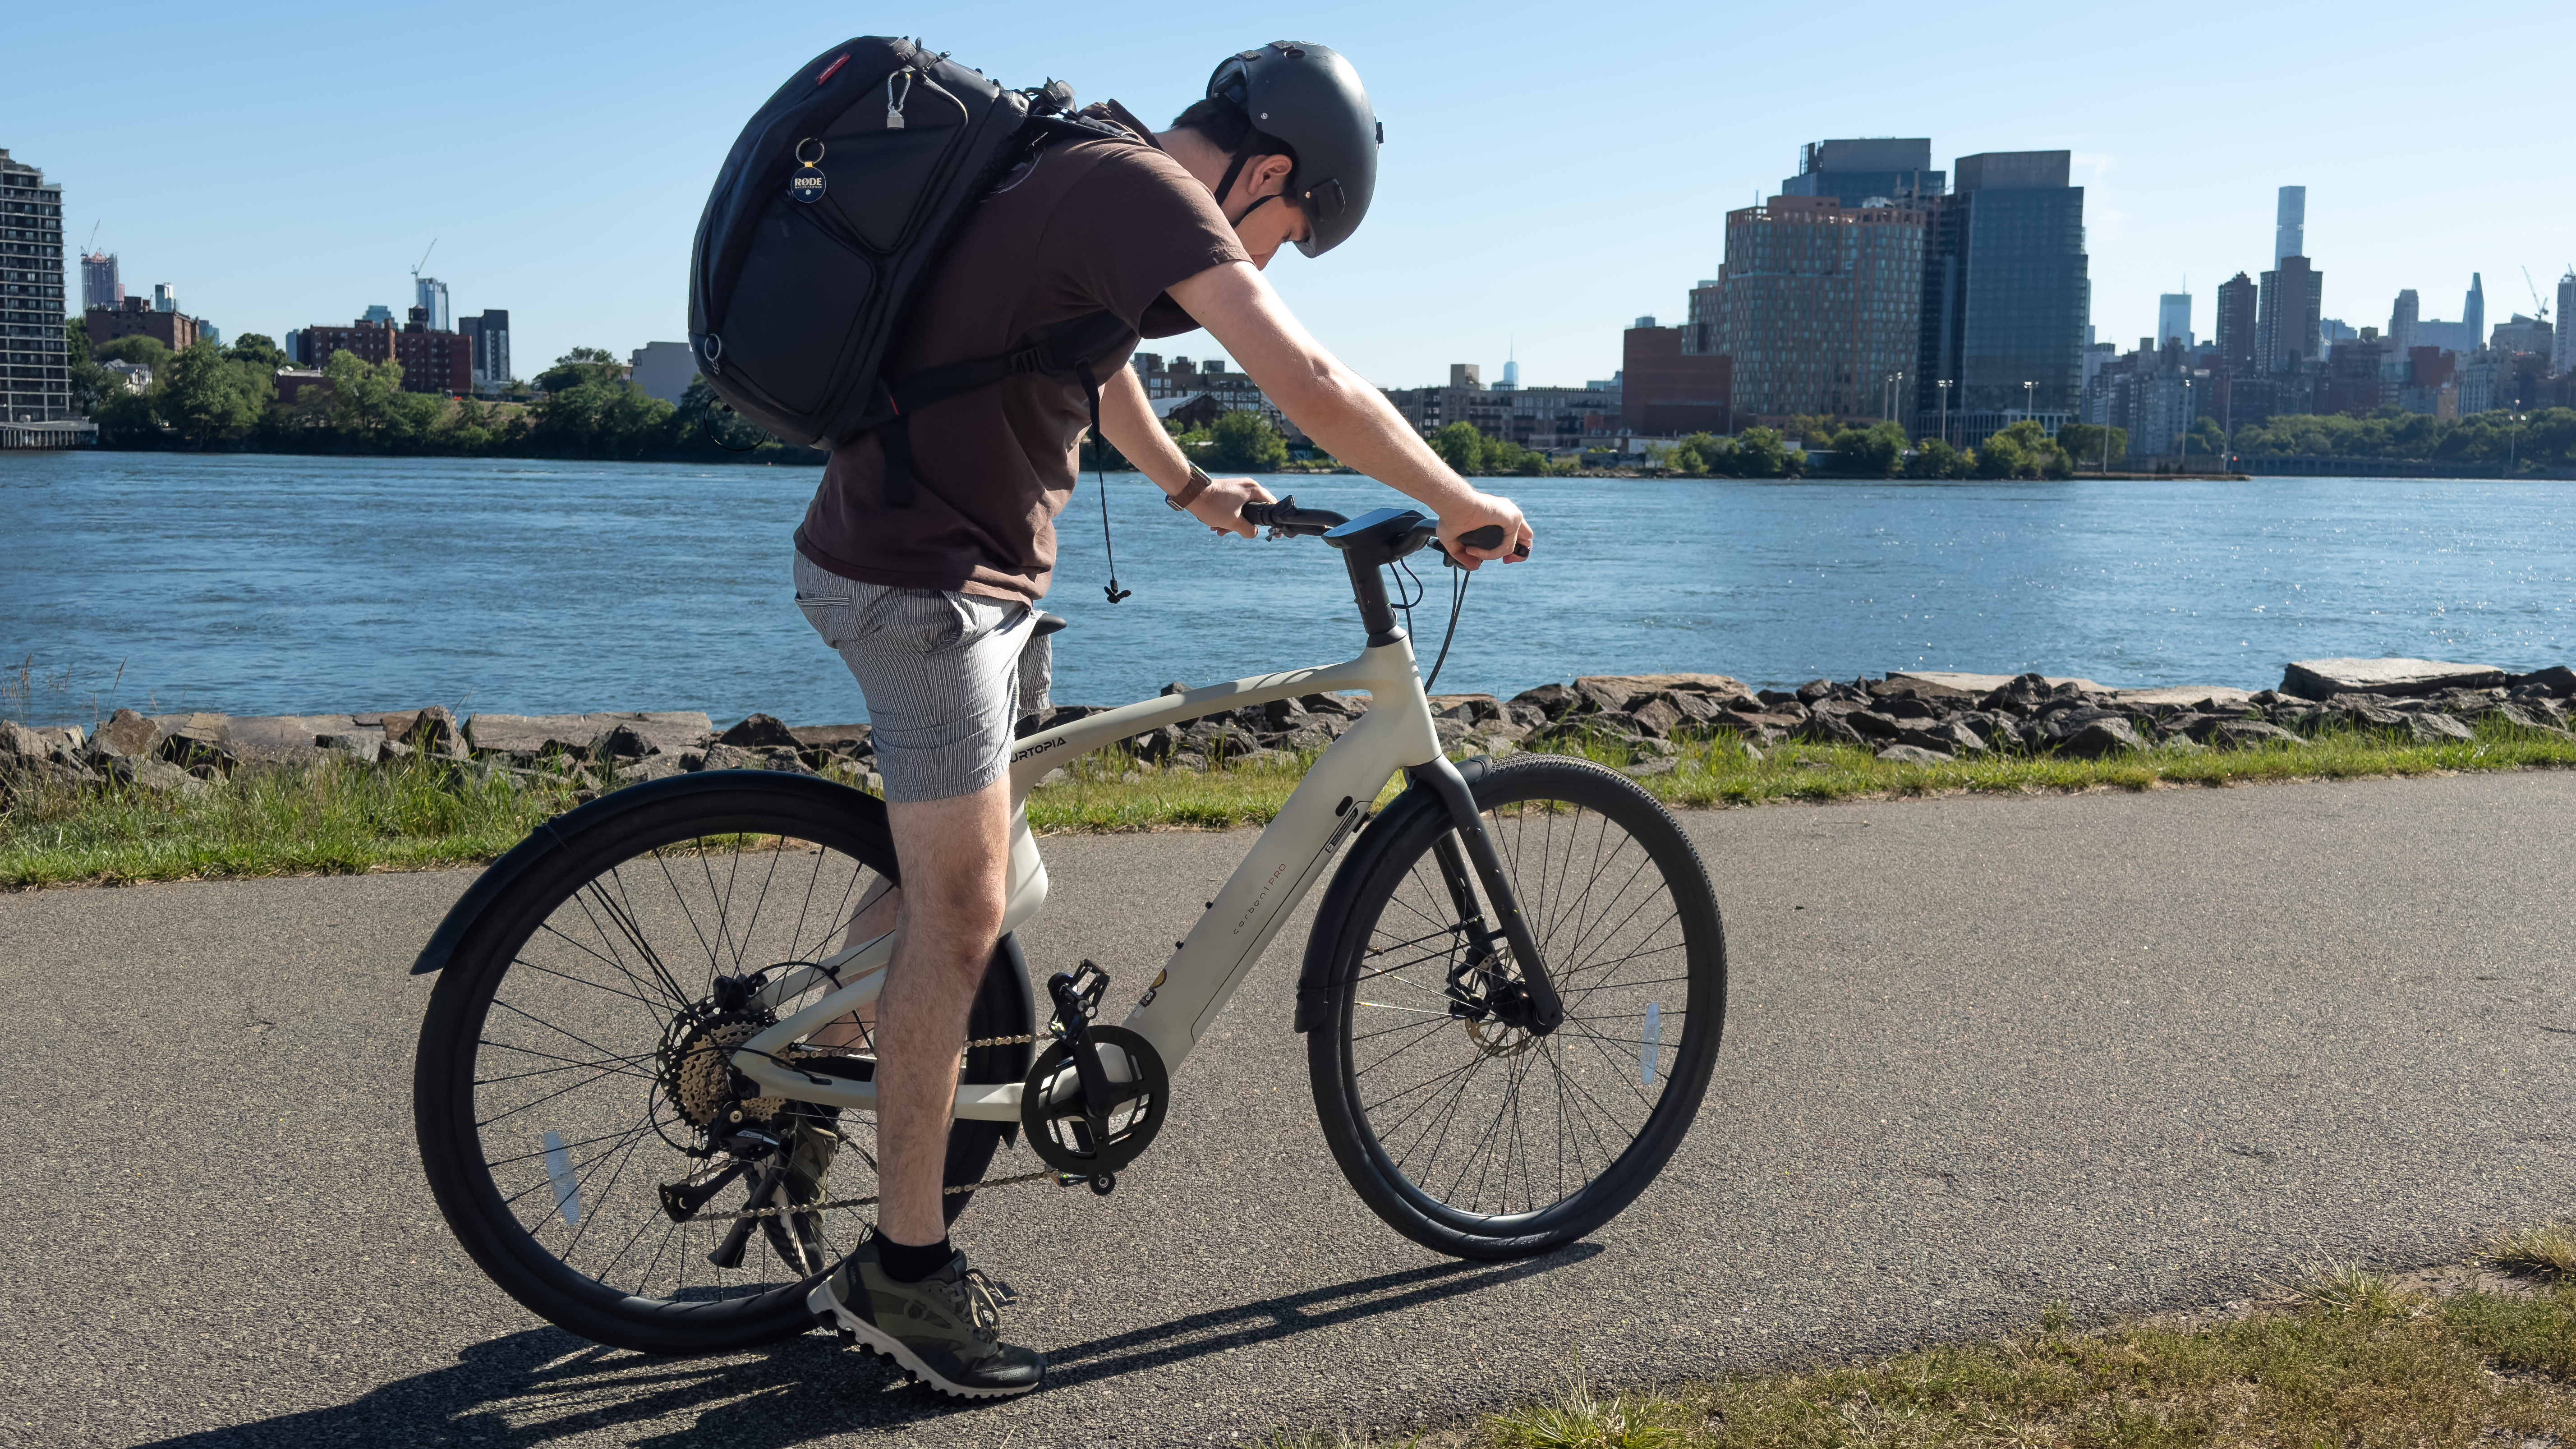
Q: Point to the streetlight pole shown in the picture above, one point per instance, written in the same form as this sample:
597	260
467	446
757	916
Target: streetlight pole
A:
1944	385
2026	400
2186	425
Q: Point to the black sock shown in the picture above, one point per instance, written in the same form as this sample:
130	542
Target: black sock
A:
905	1263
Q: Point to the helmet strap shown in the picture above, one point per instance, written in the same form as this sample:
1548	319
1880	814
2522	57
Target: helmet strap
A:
1225	183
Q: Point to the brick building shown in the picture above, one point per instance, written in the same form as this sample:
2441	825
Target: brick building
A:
1665	392
138	318
439	362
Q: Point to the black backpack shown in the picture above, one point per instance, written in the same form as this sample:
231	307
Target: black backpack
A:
834	205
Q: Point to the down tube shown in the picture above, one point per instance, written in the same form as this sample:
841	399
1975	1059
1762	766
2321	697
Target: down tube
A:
1229	936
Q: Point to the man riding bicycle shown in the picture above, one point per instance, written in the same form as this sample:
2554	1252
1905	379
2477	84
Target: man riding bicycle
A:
931	598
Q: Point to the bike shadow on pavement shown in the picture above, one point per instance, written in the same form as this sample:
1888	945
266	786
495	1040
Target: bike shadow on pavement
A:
545	1385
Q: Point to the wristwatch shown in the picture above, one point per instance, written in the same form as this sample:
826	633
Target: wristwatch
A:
1180	502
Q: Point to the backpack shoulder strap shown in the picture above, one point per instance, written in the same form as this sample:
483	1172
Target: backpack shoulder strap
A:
1066	350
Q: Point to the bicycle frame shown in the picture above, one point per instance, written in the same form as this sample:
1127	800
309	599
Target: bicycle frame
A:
1200	975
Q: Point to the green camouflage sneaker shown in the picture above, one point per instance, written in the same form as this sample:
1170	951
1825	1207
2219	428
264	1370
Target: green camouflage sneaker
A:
943	1330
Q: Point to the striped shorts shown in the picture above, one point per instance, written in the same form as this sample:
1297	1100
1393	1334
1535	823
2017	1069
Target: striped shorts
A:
946	676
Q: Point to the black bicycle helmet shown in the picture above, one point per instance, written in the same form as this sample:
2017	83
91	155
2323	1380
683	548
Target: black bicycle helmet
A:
1309	97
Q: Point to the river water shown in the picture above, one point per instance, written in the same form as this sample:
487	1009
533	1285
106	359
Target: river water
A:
258	585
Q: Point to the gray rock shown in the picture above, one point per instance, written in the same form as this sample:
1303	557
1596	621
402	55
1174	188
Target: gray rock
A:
1953	737
1467	708
431	731
757	731
1309	739
1914	755
194	740
125	733
1828	727
2099	737
531	735
2557	680
2522	717
1646	768
21	742
365	747
2322	679
2243	734
283	739
159	777
2069	720
1873	725
396	750
2437	729
850	741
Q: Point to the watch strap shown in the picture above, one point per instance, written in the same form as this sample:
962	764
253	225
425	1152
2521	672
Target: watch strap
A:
1180	502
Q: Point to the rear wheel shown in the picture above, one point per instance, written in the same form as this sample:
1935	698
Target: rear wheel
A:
574	1063
1478	1137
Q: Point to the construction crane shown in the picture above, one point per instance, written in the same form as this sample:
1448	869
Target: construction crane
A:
2543	307
91	245
433	246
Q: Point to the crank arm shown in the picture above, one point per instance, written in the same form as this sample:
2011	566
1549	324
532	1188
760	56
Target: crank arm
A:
1442	778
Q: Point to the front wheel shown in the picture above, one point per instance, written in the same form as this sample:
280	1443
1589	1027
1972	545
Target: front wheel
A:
1471	1134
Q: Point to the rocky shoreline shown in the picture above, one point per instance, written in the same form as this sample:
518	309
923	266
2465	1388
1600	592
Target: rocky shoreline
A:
1920	718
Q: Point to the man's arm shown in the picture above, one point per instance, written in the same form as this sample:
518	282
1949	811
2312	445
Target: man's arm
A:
1338	408
1127	416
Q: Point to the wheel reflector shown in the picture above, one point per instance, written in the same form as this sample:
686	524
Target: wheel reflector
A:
1646	1048
567	1188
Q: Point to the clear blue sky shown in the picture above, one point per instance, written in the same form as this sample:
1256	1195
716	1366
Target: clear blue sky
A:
1550	171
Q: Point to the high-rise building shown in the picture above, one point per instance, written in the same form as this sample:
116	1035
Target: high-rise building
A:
1851	173
2237	311
2563	360
430	295
378	312
2290	225
2402	319
2006	292
35	372
100	285
491	337
2524	334
164	299
663	369
2289	316
1819	306
2473	311
2173	318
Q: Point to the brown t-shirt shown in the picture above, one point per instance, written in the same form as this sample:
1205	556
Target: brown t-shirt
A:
1086	227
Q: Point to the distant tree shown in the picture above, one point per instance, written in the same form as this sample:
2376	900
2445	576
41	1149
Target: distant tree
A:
1871	452
1245	443
1759	454
2206	436
207	395
1933	458
258	351
1816	430
361	400
142	351
127	418
1461	447
91	383
602	418
582	364
2001	457
2083	444
1698	455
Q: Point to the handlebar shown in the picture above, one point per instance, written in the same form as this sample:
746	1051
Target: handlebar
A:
1287	517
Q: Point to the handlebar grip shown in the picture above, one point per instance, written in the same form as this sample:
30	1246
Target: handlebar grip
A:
1489	536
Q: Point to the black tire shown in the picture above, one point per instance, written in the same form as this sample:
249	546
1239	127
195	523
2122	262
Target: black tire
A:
1480	1140
575	968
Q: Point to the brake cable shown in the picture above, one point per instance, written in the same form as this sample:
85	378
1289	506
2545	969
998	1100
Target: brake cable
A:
1457	605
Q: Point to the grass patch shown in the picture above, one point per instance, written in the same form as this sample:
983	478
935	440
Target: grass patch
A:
2358	1360
2547	1251
341	819
324	818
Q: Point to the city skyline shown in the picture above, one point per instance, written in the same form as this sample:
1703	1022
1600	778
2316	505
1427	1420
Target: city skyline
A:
1628	183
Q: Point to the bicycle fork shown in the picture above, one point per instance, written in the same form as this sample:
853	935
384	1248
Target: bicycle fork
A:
1468	845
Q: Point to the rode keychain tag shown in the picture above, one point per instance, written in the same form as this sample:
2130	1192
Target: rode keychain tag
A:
806	183
895	100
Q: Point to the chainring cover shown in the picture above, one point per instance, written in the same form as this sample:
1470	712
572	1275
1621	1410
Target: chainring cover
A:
1052	1105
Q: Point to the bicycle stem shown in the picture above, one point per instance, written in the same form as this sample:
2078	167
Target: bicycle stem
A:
1442	779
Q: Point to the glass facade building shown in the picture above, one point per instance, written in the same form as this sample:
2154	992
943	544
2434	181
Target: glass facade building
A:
1852	172
1818	306
2005	291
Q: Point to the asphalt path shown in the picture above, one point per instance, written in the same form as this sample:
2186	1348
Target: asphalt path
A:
2132	1051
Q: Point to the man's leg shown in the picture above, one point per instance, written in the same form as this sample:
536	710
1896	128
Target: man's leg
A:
955	857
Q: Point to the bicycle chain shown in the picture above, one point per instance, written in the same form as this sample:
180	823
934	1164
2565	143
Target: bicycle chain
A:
846	1202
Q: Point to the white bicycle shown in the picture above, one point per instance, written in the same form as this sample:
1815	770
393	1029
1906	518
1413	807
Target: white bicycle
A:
1512	999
